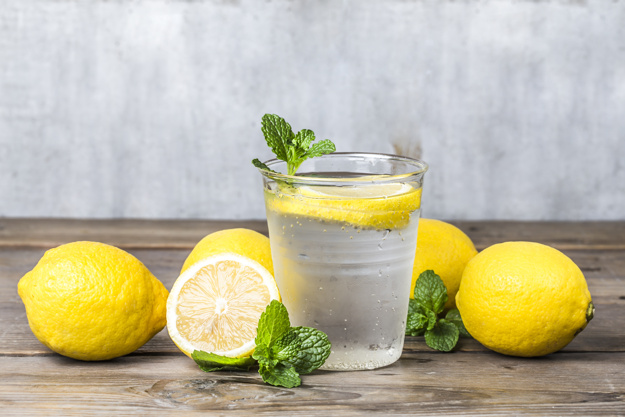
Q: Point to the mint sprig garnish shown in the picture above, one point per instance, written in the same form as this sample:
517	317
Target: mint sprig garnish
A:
430	296
289	147
282	353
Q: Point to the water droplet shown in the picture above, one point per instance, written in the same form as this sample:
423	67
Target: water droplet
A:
320	288
379	246
303	256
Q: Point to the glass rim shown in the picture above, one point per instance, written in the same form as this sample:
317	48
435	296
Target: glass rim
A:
421	168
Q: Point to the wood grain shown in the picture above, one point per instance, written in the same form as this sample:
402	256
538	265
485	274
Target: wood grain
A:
184	234
587	378
423	383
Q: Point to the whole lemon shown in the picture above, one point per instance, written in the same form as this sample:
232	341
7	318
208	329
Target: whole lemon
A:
524	299
446	250
244	242
91	301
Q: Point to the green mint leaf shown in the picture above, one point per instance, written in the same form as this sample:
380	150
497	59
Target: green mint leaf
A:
209	362
289	147
303	139
443	336
264	356
416	324
430	292
321	148
280	376
432	318
453	316
305	348
273	324
278	134
261	165
414	307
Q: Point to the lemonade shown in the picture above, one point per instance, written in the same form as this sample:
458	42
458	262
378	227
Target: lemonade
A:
343	249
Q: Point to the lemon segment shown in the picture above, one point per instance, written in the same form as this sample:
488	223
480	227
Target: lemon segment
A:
215	305
375	206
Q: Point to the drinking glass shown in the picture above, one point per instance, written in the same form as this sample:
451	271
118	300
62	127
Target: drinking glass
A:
343	235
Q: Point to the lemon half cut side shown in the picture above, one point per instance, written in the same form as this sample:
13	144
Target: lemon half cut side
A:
215	305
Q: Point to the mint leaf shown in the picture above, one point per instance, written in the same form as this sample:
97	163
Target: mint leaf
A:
321	148
304	138
414	307
303	347
416	324
278	134
273	324
209	362
281	375
453	316
430	291
264	356
292	148
431	316
283	352
443	336
261	165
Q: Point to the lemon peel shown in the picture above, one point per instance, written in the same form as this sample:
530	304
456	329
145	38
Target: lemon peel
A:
524	299
92	301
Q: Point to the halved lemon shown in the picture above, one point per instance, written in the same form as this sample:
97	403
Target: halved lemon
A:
377	206
215	305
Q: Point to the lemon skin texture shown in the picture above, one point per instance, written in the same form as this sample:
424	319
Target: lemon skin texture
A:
446	250
91	301
524	299
244	242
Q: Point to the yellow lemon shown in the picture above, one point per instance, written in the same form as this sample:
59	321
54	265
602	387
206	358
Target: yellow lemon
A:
244	242
92	301
446	250
377	206
524	299
215	305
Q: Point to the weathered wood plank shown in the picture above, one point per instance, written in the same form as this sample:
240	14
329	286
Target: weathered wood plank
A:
605	272
130	233
419	384
124	233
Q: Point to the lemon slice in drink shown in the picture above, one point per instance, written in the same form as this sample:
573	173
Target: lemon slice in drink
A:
215	305
377	206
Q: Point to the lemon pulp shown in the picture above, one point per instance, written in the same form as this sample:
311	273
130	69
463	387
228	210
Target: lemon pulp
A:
376	206
215	305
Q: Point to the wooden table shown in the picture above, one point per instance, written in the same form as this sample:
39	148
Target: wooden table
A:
586	378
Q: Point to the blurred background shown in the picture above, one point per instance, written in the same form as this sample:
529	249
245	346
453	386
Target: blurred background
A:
152	108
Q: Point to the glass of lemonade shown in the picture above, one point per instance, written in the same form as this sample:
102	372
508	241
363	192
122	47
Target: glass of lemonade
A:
343	236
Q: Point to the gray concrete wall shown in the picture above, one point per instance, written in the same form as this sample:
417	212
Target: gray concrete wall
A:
152	108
